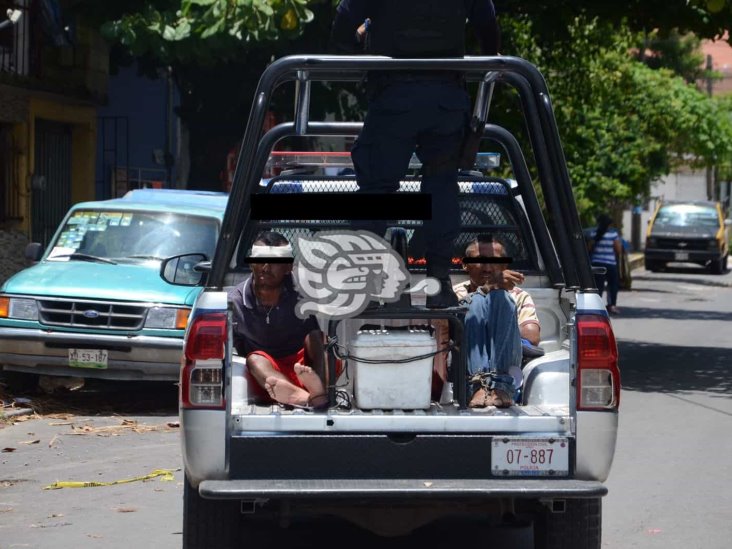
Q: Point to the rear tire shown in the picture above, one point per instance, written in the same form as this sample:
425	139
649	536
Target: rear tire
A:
579	527
209	523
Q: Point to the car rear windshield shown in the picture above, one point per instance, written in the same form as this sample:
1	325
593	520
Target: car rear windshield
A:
687	215
119	235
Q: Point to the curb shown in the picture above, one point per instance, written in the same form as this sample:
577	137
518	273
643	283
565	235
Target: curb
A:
15	412
635	261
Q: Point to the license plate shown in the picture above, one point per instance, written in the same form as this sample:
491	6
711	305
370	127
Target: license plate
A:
88	358
530	457
681	256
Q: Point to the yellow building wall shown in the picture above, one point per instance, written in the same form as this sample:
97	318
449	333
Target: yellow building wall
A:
83	122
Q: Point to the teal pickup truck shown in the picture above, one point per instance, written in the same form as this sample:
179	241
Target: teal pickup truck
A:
94	304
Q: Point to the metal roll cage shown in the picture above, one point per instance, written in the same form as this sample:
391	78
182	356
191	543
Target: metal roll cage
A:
570	267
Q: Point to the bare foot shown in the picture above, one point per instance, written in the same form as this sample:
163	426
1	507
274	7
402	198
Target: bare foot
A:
312	383
285	392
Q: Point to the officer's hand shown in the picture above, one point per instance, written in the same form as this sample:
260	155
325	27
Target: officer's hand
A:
362	30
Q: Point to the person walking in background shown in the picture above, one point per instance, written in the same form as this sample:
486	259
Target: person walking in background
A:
426	112
605	248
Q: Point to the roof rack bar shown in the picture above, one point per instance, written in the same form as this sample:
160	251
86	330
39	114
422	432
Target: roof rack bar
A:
523	178
484	96
556	208
302	102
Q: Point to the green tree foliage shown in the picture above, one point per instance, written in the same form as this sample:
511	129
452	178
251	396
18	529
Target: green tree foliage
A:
623	125
705	18
204	31
681	53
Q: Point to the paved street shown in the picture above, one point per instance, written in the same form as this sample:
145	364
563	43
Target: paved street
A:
105	436
667	486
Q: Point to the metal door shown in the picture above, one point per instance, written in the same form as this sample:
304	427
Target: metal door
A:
51	180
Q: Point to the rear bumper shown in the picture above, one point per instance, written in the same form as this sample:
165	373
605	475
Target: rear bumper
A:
401	488
130	357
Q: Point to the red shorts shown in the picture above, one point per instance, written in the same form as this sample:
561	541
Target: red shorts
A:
285	365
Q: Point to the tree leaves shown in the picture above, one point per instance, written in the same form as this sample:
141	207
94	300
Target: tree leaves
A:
623	125
205	31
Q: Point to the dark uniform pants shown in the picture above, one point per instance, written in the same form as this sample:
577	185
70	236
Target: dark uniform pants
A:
429	118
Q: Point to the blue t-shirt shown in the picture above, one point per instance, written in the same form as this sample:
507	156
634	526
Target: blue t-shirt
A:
603	251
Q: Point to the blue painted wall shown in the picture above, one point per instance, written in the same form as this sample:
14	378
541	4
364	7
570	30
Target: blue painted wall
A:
131	126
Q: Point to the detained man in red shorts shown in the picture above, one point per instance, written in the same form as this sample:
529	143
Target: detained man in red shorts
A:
284	353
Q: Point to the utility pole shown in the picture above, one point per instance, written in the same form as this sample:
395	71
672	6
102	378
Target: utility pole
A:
710	169
169	98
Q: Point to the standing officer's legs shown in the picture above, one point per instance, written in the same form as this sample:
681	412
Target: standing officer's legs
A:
387	141
441	140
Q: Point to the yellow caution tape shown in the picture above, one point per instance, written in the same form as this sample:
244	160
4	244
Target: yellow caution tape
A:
166	474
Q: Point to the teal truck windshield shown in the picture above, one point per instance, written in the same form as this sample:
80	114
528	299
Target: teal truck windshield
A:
119	235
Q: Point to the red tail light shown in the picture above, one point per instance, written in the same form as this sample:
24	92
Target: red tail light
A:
207	337
598	376
202	375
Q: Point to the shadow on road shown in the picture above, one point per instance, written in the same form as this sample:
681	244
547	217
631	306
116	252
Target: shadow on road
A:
647	368
674	314
99	397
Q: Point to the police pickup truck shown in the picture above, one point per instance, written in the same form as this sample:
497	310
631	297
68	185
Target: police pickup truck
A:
394	461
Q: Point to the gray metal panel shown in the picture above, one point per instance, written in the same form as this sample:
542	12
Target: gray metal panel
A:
400	488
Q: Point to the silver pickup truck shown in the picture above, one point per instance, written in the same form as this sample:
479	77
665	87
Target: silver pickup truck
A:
392	461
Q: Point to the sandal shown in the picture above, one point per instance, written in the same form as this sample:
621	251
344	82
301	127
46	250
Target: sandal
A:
482	398
479	399
499	399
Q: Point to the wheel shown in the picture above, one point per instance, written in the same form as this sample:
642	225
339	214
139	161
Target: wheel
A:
653	266
578	527
718	266
209	523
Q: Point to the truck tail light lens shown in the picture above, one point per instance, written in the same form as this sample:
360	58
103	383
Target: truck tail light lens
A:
598	375
207	337
202	375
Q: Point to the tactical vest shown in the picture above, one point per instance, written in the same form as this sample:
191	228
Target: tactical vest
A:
417	28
